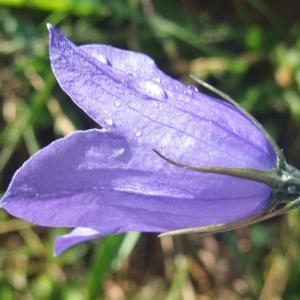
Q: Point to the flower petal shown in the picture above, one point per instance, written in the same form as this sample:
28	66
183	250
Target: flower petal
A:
95	179
76	236
126	93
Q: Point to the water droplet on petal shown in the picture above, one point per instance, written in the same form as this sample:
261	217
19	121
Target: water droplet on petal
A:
193	89
109	122
118	152
117	103
151	89
138	132
101	58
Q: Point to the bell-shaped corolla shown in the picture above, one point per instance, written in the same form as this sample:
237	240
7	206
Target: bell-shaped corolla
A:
110	180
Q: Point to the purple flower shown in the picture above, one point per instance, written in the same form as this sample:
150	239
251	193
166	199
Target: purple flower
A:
168	157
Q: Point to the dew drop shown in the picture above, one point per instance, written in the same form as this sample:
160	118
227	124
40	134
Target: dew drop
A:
192	89
117	103
151	89
101	58
109	122
138	132
118	152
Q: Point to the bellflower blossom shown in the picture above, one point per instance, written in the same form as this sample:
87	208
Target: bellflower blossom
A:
167	159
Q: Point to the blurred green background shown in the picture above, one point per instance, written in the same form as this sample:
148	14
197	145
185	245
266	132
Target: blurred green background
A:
249	49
